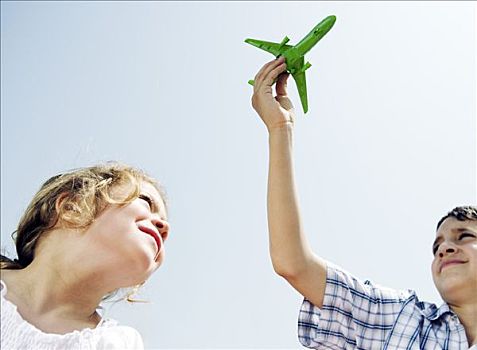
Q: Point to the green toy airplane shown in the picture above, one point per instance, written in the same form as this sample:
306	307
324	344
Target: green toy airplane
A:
294	55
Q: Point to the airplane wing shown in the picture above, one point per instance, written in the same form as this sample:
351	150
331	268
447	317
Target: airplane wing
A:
300	81
274	48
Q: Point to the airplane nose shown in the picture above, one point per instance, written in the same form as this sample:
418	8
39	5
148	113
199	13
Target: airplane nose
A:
331	19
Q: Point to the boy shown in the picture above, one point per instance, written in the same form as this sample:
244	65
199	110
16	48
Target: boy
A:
339	311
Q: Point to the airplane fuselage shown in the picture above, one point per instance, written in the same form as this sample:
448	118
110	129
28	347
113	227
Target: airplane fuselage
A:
315	35
294	54
293	59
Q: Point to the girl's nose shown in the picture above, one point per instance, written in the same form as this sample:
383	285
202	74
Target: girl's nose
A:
162	226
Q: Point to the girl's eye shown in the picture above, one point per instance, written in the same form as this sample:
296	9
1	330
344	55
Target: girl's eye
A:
147	199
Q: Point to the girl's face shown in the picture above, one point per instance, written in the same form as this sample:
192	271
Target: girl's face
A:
131	238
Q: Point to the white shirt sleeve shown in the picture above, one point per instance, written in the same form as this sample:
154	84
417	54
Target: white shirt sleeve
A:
118	338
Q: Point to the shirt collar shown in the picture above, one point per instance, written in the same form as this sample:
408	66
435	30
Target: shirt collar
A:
432	312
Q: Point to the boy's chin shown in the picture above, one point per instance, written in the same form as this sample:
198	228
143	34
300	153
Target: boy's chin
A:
452	292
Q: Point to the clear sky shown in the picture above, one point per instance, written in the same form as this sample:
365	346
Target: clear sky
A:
388	145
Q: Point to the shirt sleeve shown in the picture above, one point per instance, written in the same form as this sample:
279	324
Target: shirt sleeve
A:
120	338
354	313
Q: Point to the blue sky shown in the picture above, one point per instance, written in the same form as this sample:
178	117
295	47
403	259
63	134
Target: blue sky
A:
388	145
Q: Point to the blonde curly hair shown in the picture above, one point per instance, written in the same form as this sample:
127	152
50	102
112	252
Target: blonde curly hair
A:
84	194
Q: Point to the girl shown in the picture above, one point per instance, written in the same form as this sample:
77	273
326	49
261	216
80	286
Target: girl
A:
85	234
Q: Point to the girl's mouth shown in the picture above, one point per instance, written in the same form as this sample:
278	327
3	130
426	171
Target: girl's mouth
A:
157	238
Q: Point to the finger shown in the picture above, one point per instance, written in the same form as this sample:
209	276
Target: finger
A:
272	75
281	86
285	102
264	67
264	71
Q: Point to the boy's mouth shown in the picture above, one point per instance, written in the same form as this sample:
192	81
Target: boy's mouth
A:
449	262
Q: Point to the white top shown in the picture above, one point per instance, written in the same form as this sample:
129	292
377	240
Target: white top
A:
16	333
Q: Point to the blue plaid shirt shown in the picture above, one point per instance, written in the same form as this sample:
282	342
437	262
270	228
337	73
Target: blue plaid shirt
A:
357	315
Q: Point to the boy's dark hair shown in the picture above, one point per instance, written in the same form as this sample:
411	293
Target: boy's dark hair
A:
467	212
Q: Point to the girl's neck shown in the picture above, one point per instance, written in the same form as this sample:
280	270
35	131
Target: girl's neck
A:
43	295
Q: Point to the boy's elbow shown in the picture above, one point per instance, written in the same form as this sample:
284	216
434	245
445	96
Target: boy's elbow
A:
299	267
287	271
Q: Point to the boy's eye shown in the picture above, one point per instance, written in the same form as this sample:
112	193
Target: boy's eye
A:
461	236
466	234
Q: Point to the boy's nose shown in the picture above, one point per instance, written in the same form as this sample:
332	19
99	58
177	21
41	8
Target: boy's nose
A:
446	248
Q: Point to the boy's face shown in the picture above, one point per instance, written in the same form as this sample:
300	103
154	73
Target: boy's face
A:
454	268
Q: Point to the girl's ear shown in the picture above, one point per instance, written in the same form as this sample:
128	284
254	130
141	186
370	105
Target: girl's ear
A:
59	201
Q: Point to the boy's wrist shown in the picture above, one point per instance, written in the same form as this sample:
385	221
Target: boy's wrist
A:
280	129
281	135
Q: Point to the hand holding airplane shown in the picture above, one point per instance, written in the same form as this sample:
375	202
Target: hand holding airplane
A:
294	55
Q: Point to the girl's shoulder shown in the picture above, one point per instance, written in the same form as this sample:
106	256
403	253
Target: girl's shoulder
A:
18	333
3	289
5	279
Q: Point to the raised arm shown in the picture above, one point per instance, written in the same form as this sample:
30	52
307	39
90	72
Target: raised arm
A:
291	255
